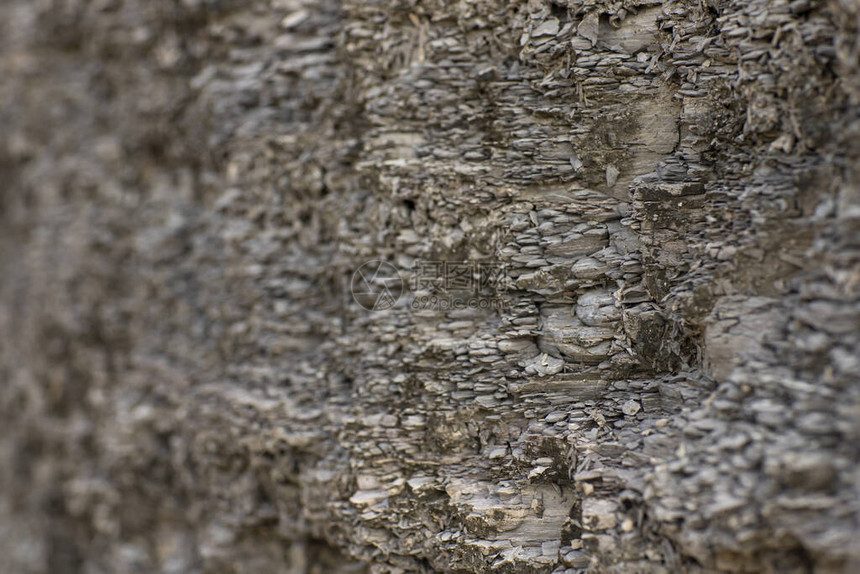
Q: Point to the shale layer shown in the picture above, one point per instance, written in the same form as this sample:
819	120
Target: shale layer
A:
661	377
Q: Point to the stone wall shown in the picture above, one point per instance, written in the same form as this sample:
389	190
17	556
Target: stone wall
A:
666	380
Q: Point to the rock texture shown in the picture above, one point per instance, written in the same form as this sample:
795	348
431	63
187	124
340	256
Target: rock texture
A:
666	381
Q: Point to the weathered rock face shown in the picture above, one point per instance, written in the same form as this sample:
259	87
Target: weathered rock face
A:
664	379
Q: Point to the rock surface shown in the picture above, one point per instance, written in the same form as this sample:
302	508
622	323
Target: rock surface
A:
664	379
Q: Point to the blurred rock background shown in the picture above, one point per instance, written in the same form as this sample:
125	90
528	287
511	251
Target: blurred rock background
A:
187	186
